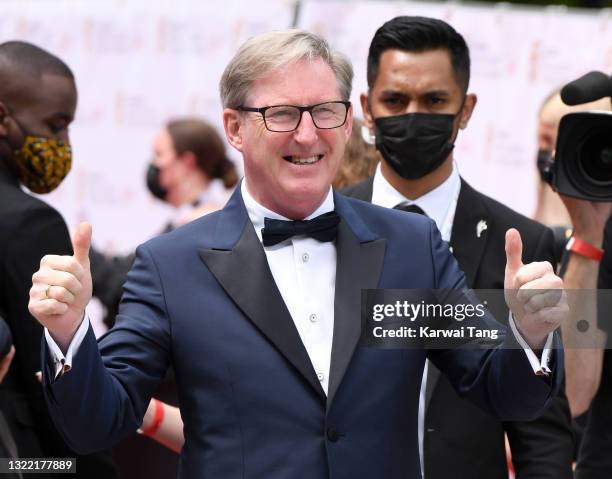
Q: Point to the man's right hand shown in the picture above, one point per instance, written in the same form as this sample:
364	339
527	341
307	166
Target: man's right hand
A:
61	289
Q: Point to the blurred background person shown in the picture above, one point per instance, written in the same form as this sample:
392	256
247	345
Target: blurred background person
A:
38	99
567	216
360	158
587	267
190	169
191	172
163	423
588	222
550	209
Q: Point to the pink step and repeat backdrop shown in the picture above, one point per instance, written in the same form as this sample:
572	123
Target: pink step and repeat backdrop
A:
138	63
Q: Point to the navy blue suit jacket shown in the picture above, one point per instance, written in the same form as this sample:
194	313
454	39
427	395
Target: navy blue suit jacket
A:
203	298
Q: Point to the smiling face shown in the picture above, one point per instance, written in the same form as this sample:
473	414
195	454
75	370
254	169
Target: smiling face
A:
289	173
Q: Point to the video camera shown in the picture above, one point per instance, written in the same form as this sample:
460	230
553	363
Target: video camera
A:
582	167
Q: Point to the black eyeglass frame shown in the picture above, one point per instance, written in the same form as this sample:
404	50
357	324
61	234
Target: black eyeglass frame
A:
302	109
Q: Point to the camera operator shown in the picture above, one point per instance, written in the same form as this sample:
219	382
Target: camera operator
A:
583	364
588	267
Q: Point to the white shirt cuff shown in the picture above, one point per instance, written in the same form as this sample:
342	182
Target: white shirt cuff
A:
540	367
62	363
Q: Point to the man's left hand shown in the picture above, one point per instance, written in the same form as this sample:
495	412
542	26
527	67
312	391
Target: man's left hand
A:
534	294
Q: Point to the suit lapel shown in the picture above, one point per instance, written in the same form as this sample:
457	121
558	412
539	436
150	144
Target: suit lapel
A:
470	232
468	239
239	263
359	265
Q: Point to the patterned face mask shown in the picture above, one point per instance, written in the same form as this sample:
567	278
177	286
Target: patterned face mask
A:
43	163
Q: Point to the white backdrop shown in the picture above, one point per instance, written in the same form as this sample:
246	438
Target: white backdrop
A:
139	62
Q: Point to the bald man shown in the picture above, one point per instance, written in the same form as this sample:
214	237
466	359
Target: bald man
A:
38	99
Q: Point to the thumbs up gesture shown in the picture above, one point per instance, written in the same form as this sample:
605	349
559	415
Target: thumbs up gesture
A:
534	294
61	289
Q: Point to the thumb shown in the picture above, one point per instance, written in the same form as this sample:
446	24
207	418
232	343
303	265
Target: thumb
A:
81	241
514	254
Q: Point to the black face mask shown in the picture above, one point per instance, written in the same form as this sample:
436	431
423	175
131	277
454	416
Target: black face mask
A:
414	144
153	184
544	164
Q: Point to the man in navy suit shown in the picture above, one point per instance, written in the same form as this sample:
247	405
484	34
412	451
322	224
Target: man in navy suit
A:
260	315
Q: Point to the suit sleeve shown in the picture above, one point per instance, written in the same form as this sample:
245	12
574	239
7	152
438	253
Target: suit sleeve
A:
105	394
41	231
500	380
543	448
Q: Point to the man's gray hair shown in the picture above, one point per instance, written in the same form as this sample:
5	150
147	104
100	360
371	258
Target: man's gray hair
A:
267	52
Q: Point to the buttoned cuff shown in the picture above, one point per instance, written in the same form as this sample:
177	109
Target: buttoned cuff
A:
63	363
540	366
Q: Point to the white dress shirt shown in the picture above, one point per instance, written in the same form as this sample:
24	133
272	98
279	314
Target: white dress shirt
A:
304	271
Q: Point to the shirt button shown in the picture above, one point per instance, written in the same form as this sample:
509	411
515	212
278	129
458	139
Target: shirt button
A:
332	434
313	318
305	257
321	376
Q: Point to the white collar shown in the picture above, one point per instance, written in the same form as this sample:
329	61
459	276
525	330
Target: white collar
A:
257	212
435	204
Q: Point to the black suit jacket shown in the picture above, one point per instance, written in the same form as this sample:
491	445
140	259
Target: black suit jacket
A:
461	440
30	229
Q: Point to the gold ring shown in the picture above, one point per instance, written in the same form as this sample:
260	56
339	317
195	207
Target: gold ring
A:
47	292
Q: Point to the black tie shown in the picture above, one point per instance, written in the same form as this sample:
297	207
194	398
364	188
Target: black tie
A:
410	208
322	228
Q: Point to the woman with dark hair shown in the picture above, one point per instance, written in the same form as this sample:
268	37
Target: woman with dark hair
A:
191	172
190	169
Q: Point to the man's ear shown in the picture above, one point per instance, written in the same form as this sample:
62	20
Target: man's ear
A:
348	124
468	108
4	114
232	124
367	114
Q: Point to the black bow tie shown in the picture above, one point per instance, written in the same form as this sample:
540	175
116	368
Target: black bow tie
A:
322	228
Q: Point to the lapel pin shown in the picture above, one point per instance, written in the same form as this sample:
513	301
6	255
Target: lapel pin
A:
480	227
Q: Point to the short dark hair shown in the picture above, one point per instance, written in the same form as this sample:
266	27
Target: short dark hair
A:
420	34
29	59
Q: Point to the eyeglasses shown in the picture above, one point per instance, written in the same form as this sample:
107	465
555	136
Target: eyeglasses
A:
284	118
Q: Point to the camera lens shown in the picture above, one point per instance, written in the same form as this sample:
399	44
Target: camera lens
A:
595	158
